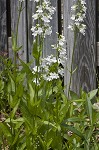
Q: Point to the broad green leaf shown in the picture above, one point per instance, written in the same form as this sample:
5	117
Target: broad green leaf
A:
32	93
92	94
1	85
49	143
16	138
89	108
49	123
28	117
26	68
15	109
23	146
73	95
6	132
74	119
78	100
74	130
5	129
20	77
35	52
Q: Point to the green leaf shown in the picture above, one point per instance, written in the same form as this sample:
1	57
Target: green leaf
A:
49	123
6	131
35	52
1	85
89	108
49	143
75	131
92	94
74	70
18	48
15	109
15	138
32	93
28	117
73	95
74	119
26	68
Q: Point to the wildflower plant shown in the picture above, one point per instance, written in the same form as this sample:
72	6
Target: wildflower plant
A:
77	26
39	115
78	16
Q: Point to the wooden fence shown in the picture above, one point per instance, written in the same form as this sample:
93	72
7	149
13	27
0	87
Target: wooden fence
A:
85	52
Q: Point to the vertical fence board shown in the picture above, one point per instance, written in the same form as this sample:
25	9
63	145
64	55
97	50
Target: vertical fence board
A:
85	51
22	39
3	26
50	40
30	11
69	38
84	56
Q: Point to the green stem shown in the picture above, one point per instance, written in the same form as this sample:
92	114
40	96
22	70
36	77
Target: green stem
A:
16	38
72	61
17	27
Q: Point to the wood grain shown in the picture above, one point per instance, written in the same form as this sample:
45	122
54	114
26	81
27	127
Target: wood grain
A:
49	40
3	26
22	38
85	52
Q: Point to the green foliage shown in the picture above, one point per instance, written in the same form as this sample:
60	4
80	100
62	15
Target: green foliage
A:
42	117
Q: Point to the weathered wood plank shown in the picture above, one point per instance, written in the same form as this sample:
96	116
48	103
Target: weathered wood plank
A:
30	11
69	39
22	38
3	26
84	55
49	40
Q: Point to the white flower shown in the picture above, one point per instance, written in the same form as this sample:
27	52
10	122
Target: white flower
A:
43	16
96	106
73	17
61	72
48	61
35	16
51	76
36	0
70	27
36	69
36	30
62	51
74	7
45	19
82	29
61	40
79	13
39	9
36	81
48	31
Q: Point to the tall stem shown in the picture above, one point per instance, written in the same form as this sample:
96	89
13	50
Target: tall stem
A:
16	40
72	61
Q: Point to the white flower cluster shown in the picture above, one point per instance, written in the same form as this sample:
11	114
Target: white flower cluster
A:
96	106
51	67
78	15
44	67
43	16
62	51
